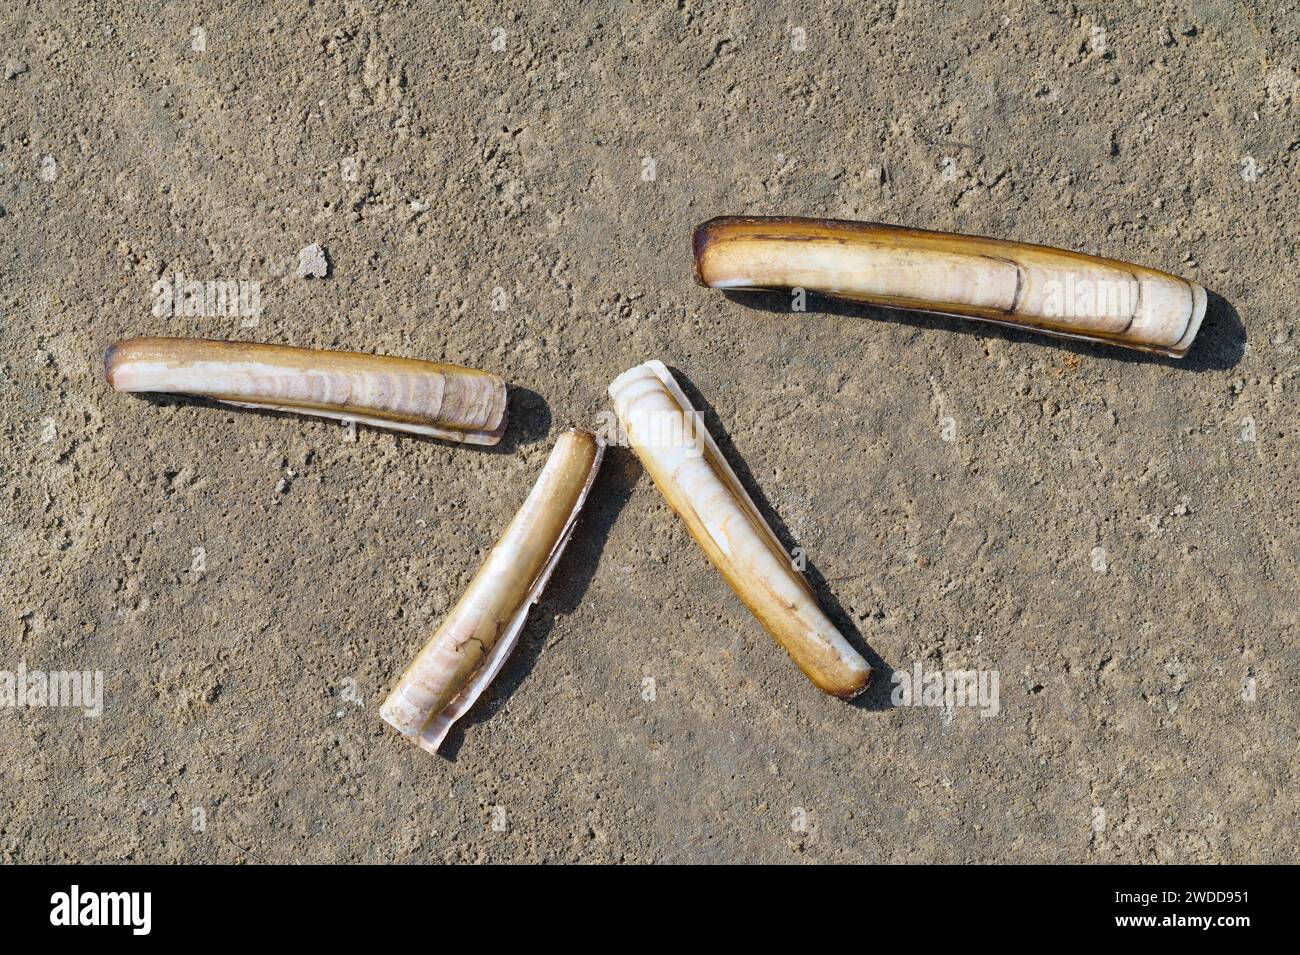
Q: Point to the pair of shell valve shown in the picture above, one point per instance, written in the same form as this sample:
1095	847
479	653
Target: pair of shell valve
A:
668	436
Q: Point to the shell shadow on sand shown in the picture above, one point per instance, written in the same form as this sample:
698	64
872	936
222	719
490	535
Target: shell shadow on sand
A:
528	418
1220	344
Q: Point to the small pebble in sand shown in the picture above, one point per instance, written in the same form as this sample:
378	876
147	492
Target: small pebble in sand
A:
14	69
312	262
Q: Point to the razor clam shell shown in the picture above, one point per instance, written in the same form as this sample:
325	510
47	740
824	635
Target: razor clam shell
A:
433	692
401	394
1007	283
727	525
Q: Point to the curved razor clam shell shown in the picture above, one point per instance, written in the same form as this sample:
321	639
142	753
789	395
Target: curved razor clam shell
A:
669	437
402	394
466	652
1061	293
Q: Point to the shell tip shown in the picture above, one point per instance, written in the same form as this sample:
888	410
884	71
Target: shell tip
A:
1199	302
701	239
110	363
853	692
659	368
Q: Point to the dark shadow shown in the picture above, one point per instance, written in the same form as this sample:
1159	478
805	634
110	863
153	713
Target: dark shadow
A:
528	418
568	584
877	693
1220	343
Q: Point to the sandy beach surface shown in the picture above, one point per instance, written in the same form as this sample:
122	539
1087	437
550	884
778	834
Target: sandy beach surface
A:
1111	536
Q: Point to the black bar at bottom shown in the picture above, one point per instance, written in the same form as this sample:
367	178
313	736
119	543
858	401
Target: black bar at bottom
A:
369	904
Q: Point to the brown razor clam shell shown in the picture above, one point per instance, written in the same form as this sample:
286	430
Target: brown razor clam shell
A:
681	456
1067	294
402	394
474	640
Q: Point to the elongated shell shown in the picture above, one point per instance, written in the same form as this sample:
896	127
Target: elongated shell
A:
466	652
1068	294
679	453
402	394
